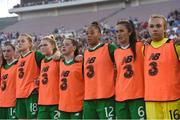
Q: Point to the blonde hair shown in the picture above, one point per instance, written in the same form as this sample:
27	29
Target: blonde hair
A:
52	40
28	37
162	18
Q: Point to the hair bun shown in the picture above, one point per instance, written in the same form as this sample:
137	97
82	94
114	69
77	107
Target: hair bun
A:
95	23
52	37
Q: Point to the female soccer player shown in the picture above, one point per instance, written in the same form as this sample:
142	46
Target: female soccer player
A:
98	74
28	70
71	92
49	81
129	90
8	82
162	72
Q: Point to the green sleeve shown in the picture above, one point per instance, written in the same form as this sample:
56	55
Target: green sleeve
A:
112	48
177	47
39	56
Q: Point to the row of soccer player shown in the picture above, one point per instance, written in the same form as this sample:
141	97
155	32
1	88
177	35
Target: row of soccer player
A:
146	83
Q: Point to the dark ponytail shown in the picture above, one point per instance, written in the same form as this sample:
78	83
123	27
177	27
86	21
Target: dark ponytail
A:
133	39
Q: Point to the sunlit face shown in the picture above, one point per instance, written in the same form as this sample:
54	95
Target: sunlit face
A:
8	52
156	29
67	47
93	36
23	44
122	34
46	47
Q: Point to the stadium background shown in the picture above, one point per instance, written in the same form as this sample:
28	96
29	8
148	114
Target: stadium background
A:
70	18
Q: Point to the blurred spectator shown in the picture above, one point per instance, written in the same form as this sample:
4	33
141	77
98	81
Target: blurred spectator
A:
172	34
108	32
178	30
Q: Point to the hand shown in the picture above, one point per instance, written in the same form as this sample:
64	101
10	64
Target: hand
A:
79	58
57	55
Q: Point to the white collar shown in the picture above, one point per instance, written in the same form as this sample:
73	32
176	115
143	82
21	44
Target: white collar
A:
26	54
125	47
48	58
69	61
12	62
95	46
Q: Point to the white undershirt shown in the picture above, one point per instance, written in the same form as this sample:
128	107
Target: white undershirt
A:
125	47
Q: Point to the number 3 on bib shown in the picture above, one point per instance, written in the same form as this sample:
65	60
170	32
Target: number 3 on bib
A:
90	72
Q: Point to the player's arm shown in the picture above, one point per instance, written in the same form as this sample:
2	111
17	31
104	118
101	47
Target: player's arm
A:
58	56
112	48
39	56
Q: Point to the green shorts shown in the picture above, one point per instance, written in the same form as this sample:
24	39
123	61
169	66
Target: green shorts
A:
131	109
70	115
99	109
3	113
48	112
27	108
8	113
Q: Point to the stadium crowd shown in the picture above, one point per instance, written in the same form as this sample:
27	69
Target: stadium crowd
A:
108	32
72	74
